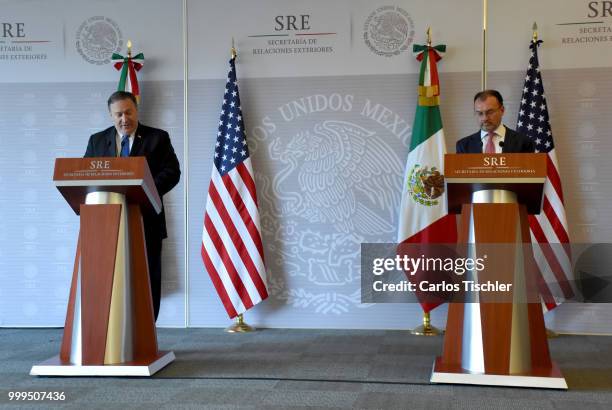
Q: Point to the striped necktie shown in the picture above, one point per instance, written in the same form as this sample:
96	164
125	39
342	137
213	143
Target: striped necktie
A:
490	147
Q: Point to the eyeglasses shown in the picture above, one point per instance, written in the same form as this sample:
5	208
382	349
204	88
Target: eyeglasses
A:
487	113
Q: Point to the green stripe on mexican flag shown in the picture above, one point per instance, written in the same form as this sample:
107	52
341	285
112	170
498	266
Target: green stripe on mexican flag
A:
424	216
127	78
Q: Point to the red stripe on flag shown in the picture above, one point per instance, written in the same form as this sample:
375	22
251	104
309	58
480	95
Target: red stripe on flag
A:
238	242
133	79
557	270
216	280
555	222
227	262
553	176
444	230
244	213
248	181
551	258
545	292
433	69
546	295
550	305
543	288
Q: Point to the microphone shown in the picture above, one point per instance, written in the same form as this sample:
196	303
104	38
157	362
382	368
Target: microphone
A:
501	144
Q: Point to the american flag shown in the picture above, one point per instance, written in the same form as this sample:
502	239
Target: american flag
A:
550	226
232	250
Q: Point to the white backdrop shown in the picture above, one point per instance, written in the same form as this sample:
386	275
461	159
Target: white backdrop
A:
338	58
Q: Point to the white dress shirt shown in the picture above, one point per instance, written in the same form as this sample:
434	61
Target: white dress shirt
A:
500	135
118	143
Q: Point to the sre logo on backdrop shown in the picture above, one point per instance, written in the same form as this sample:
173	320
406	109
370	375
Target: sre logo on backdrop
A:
13	30
292	23
600	9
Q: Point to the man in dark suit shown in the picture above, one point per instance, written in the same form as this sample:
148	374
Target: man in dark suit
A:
493	137
130	138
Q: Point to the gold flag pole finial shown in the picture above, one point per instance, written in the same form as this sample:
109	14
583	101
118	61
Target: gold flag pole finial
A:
129	46
233	51
429	36
535	32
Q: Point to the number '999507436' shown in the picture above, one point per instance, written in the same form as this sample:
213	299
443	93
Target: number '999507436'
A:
36	395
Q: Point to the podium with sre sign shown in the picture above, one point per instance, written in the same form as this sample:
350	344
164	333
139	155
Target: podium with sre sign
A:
487	341
110	327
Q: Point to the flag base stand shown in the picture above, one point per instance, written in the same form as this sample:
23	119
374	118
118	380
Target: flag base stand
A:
426	329
551	334
240	326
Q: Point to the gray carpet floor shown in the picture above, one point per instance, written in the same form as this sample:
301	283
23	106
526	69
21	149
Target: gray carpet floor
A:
284	369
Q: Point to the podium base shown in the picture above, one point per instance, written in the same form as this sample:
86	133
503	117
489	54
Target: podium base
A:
53	367
550	379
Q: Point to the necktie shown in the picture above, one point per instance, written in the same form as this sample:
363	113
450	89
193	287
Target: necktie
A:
490	147
125	146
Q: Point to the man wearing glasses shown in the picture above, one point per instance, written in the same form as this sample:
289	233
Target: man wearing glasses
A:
493	137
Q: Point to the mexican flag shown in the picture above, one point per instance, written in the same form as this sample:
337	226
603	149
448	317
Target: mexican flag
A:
128	67
424	216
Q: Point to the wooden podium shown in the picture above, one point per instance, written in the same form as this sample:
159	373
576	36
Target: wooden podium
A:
490	342
110	328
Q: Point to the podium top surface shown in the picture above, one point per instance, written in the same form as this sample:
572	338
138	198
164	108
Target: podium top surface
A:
495	168
523	174
76	177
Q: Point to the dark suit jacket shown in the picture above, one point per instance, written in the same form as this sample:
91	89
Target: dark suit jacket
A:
513	142
155	145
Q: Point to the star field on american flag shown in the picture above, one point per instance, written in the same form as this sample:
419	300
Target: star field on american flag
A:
533	113
231	146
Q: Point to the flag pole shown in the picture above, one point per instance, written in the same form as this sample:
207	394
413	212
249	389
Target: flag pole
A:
484	45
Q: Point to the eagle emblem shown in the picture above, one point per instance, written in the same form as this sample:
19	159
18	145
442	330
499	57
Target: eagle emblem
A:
425	185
